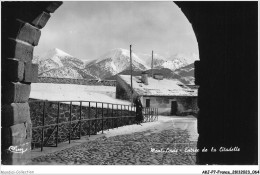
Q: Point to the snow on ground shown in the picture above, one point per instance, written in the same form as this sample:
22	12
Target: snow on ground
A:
72	92
188	123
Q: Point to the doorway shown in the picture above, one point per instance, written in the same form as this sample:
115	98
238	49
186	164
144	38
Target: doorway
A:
174	107
148	103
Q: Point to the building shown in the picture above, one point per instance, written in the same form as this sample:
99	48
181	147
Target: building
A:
170	96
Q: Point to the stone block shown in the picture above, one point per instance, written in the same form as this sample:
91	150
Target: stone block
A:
31	73
41	20
24	31
15	92
17	155
53	6
13	70
20	50
31	12
15	113
17	135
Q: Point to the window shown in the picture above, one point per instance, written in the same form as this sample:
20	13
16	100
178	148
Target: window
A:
147	103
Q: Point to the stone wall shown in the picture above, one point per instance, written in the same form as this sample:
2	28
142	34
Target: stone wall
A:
90	127
92	82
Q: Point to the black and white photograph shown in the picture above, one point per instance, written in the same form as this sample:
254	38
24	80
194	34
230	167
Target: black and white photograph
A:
141	87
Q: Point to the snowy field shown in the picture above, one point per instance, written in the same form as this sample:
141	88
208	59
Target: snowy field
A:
72	92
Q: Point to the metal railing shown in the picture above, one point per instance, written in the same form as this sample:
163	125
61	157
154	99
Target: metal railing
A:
98	115
150	114
59	121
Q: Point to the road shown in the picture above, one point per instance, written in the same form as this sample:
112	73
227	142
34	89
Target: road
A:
169	141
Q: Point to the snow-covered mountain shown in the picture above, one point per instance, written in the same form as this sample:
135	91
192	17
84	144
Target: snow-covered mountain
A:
57	63
172	62
113	62
118	60
185	74
158	59
184	58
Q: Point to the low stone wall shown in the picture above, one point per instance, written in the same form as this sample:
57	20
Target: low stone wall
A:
89	127
92	82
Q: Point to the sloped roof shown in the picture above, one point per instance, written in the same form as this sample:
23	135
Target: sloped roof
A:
165	87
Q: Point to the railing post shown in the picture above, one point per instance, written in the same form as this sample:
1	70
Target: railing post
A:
120	119
153	114
124	115
150	114
117	119
70	121
143	112
147	114
89	118
112	115
42	140
157	113
107	117
102	119
96	119
80	117
57	122
149	111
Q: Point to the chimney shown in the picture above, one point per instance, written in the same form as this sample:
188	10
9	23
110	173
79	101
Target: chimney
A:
158	76
145	78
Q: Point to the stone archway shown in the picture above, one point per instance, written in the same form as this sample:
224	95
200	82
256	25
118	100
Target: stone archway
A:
21	24
227	38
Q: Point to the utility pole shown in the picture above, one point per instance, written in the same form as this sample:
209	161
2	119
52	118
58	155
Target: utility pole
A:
131	70
152	64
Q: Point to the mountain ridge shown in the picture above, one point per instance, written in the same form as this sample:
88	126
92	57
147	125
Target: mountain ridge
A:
57	63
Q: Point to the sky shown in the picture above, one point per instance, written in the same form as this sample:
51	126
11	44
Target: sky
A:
89	29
